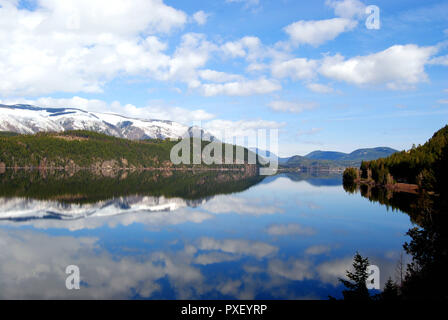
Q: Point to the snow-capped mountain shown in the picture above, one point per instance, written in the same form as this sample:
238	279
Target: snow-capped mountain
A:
20	209
27	119
150	211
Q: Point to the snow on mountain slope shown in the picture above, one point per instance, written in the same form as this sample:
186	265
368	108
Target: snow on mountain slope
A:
26	119
146	210
29	209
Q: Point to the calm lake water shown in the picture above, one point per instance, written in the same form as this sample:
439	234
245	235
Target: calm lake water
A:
285	237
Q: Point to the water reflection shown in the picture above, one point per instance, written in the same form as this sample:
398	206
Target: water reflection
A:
203	237
427	248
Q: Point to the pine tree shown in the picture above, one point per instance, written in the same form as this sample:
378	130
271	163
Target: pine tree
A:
390	292
356	288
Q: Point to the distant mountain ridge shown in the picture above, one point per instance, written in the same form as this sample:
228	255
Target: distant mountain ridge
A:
27	119
357	155
329	159
333	159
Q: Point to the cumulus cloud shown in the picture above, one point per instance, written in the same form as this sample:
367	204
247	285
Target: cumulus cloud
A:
216	76
297	69
73	46
290	229
442	60
237	246
316	32
319	88
247	3
292	107
347	8
215	257
240	128
33	267
248	47
317	250
332	271
192	54
294	269
200	17
241	88
400	66
238	205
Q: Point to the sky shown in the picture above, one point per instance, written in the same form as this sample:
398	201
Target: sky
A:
324	73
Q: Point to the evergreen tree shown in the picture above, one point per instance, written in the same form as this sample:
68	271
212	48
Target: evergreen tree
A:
390	292
356	288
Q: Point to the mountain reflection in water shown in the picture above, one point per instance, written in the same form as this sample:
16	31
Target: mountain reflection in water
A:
208	235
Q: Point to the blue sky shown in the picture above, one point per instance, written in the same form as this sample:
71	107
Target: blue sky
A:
312	69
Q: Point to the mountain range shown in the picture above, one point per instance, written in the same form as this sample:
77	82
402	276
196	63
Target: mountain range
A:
331	159
357	155
27	119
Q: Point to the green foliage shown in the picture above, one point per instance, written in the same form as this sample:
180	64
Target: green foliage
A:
349	178
303	162
8	134
420	165
357	155
390	293
356	286
350	175
86	187
86	149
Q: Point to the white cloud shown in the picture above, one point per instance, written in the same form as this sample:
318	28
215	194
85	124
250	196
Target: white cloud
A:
193	53
347	8
319	88
216	76
317	250
255	67
33	266
297	69
234	49
316	32
400	66
442	60
200	17
215	257
443	101
238	246
240	128
332	271
290	229
241	88
232	204
73	46
293	107
296	269
247	3
248	47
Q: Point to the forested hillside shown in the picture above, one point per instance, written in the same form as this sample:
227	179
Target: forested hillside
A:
85	149
424	165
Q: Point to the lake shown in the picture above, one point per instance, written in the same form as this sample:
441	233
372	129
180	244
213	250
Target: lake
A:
289	236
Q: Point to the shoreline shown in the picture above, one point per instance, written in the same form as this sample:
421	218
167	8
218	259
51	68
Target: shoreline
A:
395	187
